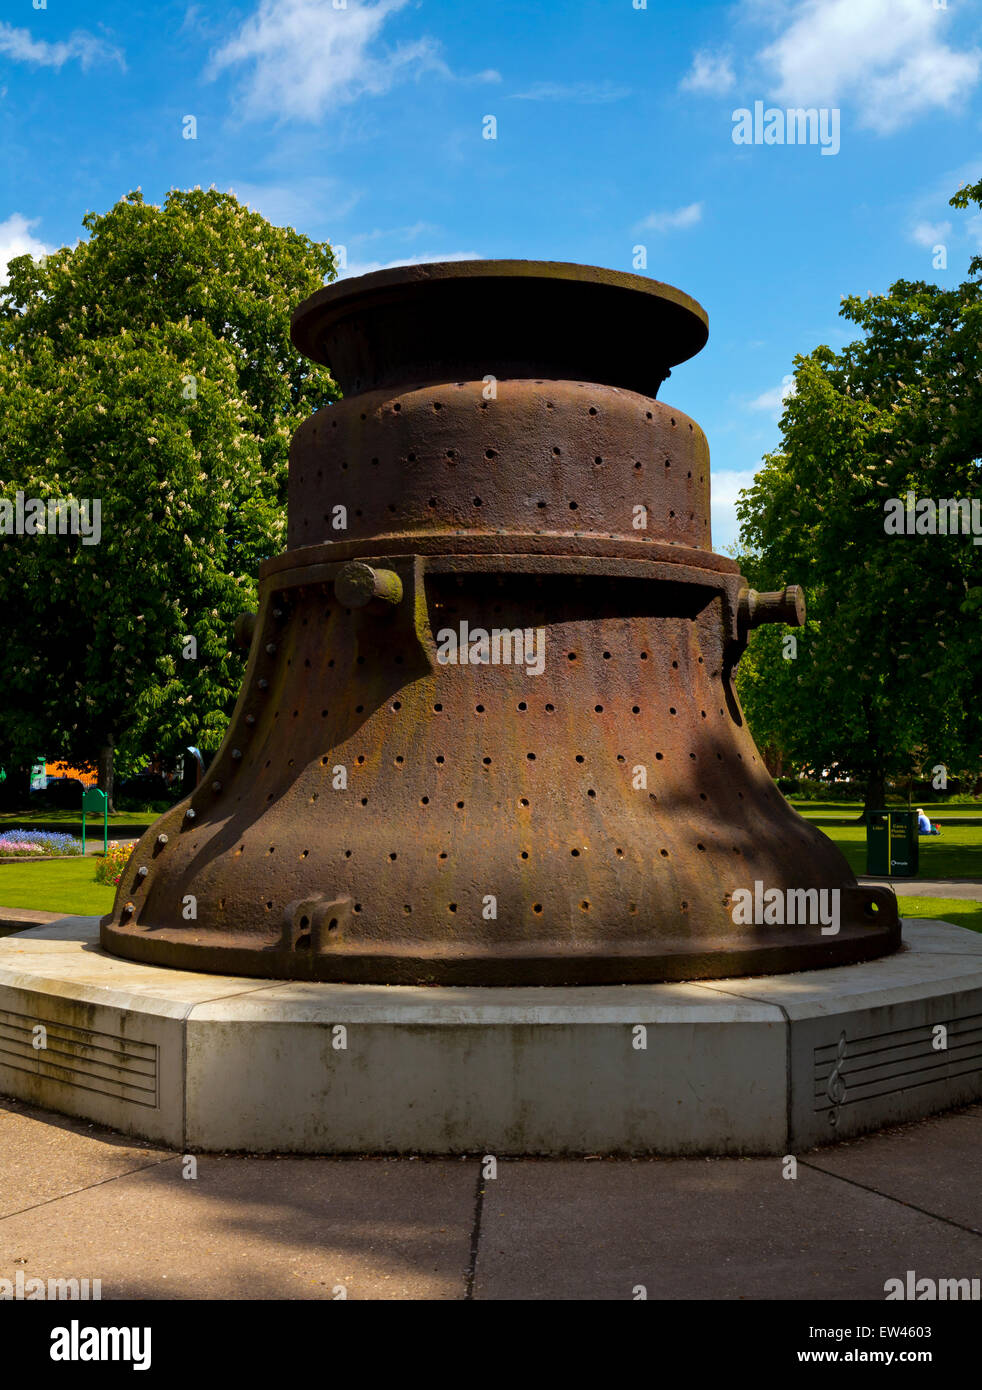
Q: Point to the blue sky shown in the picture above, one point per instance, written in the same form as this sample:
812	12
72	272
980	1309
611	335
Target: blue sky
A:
363	123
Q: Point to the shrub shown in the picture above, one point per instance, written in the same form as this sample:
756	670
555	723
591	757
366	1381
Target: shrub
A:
109	866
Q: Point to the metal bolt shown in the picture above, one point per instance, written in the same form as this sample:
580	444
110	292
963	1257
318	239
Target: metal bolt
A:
216	786
127	909
161	839
142	871
236	753
270	648
264	684
189	813
250	719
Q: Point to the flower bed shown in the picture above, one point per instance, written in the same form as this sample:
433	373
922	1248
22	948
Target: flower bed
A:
29	844
109	869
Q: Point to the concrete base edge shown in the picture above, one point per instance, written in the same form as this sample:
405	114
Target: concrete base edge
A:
766	1065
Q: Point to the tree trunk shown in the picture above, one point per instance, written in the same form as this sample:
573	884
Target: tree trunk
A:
107	753
875	798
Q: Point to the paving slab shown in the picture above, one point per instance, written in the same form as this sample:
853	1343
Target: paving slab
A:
84	1202
935	1165
244	1228
45	1156
695	1229
18	919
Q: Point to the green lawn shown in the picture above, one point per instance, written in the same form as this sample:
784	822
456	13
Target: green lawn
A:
66	885
955	853
961	911
58	820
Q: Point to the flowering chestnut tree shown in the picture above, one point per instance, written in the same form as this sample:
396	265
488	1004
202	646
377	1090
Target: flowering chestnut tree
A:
147	375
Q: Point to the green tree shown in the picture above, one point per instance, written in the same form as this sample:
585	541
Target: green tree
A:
885	677
149	368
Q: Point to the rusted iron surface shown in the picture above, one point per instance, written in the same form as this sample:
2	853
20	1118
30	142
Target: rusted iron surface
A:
582	805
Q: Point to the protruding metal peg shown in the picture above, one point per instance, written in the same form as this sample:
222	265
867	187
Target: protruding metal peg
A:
245	626
785	605
356	585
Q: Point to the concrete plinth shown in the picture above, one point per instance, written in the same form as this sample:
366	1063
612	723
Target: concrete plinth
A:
762	1065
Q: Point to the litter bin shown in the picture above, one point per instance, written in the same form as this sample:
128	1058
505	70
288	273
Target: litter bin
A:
892	844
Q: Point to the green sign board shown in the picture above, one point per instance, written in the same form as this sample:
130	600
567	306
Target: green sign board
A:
95	801
892	847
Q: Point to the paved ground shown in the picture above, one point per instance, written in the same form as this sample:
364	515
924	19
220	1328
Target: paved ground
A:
79	1201
933	887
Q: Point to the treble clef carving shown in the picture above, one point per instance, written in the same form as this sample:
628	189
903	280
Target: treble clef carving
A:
835	1087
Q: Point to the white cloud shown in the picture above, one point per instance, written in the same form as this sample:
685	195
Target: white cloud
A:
314	200
366	267
711	73
23	47
16	240
888	56
773	400
672	221
587	93
726	484
306	56
409	233
929	234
